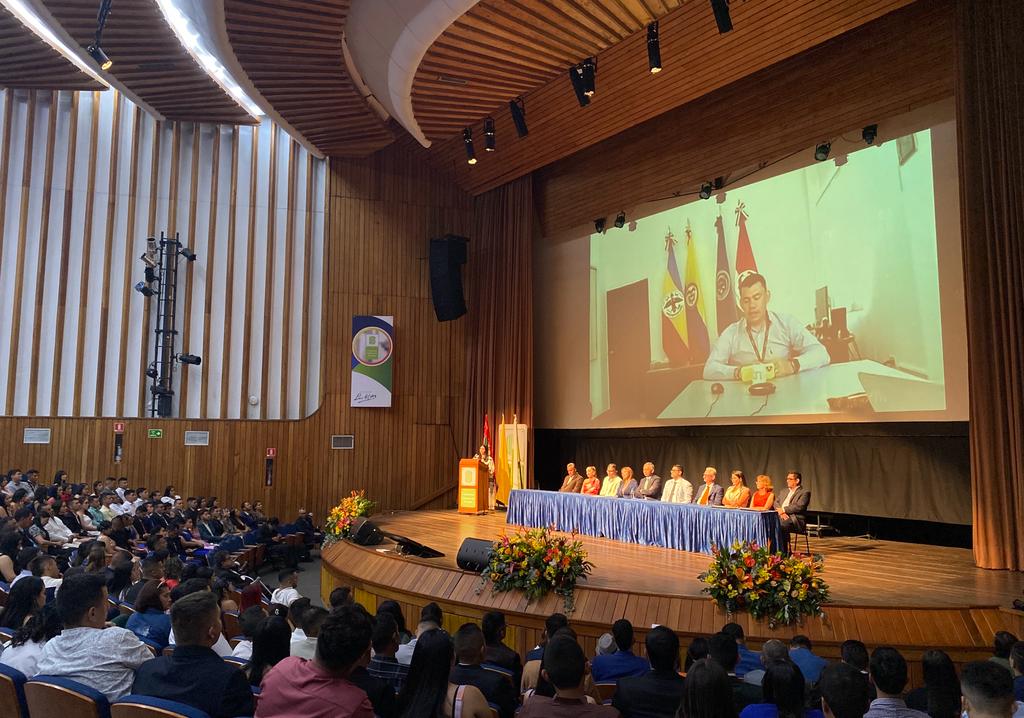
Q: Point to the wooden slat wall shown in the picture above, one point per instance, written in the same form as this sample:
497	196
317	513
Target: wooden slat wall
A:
383	210
84	178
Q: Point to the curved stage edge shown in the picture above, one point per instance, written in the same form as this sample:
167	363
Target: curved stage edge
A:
656	596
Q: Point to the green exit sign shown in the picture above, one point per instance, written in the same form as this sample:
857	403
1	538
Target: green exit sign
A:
156	433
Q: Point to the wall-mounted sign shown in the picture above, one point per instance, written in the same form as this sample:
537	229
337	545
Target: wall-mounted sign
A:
156	433
271	452
118	427
373	349
37	436
197	438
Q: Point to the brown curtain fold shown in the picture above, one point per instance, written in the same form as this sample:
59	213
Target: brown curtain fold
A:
990	124
500	303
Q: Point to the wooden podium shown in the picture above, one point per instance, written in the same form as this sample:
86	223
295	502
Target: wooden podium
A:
472	486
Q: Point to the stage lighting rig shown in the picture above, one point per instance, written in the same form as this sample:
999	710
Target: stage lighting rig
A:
95	50
821	151
620	219
517	107
710	187
599	224
489	134
190	359
582	77
145	290
722	17
653	48
869	133
187	253
467	138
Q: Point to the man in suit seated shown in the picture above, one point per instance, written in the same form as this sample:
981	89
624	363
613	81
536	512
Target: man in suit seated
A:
573	482
469	654
496	652
659	691
613	666
793	509
711	494
194	674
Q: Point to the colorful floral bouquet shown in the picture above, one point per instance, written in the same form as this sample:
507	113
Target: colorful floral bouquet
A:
536	561
774	586
339	519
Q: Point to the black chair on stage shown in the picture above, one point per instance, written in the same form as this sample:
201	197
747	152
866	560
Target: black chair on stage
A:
794	540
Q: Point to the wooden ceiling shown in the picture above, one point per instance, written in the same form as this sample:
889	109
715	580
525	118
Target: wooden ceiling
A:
291	51
697	60
26	61
150	61
504	48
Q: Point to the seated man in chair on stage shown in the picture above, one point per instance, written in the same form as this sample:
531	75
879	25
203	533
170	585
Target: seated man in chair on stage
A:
793	509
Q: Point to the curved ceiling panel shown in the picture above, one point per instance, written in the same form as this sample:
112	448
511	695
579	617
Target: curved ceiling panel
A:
28	62
504	48
292	52
150	61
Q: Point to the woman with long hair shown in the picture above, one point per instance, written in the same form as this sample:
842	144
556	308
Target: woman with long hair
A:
696	651
27	596
783	689
271	643
428	693
27	644
707	693
9	542
150	621
737	496
940	695
96	558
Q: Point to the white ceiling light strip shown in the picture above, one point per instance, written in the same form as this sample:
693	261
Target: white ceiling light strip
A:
28	17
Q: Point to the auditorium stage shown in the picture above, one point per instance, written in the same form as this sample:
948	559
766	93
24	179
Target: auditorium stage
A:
912	596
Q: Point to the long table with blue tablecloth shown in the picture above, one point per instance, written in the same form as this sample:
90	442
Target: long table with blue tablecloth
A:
688	527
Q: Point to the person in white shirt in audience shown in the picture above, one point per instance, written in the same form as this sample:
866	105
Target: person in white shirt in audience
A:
102	658
26	646
57	529
430	618
303	642
248	620
45	567
286	592
677	490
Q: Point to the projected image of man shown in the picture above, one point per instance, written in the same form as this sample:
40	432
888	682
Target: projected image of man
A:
763	337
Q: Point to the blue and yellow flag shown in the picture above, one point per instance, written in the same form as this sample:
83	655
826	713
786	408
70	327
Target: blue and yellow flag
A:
696	317
673	314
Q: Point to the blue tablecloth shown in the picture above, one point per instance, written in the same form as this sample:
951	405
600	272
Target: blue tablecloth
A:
687	527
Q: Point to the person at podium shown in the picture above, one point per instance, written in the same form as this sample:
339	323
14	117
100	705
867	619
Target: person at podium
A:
711	494
677	489
737	496
573	482
591	484
612	482
764	498
763	337
628	487
650	486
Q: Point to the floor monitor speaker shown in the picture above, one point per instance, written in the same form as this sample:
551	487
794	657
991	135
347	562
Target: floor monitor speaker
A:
474	555
365	532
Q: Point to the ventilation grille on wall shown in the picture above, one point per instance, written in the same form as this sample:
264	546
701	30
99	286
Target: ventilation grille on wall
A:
343	441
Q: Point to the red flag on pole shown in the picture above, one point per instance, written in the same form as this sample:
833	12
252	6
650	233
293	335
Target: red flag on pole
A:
744	254
487	434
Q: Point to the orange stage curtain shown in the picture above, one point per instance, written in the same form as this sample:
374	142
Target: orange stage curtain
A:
500	305
990	123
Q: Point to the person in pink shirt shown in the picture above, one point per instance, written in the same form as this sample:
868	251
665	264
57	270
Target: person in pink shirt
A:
297	688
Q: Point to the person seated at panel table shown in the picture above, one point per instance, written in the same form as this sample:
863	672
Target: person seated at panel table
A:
573	482
794	505
591	484
612	482
764	498
650	486
628	486
710	494
763	337
677	489
737	496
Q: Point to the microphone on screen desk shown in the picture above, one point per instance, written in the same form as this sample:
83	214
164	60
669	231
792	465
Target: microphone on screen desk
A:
717	389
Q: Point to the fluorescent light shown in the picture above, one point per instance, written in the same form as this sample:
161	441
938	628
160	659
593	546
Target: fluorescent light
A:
28	17
190	40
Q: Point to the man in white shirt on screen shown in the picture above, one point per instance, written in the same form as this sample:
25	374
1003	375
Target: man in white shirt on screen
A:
763	337
677	490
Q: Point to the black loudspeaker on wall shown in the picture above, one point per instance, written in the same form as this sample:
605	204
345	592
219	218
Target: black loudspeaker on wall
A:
447	255
474	555
366	533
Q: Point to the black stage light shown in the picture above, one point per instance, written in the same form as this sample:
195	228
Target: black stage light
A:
190	359
599	224
722	17
869	134
144	290
100	57
589	72
467	137
151	275
95	50
706	190
151	372
518	109
822	150
576	78
620	219
489	134
653	48
187	254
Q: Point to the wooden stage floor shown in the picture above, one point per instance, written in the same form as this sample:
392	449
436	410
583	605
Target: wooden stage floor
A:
860	572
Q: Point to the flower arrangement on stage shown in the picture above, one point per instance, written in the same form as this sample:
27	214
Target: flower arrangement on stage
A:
537	561
339	519
768	585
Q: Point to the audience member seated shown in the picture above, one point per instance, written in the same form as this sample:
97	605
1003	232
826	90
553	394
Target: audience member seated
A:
708	692
1002	645
801	653
384	665
497	653
772	650
45	568
845	692
621	663
380	691
531	669
940	695
102	658
26	646
783	689
150	621
152	570
612	482
303	641
564	666
248	620
469	654
430	618
722	649
428	691
341	596
987	689
286	591
696	651
1017	664
194	674
888	671
749	660
195	585
27	597
271	644
658	693
395	611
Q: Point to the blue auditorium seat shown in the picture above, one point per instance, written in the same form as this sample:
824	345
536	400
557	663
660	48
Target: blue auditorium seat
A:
12	692
133	706
57	696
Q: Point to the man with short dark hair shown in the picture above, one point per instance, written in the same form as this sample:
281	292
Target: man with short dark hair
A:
613	666
430	618
565	667
469	654
152	570
845	692
341	596
496	652
722	649
321	688
1017	665
1002	644
551	624
286	592
987	690
802	654
44	567
194	674
749	660
85	651
658	693
378	690
385	643
303	642
888	671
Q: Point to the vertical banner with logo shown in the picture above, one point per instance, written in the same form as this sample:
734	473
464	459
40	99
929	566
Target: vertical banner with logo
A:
372	361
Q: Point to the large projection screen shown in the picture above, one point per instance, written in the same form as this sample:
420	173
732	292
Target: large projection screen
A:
815	291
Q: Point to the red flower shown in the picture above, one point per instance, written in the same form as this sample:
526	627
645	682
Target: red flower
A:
749	562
